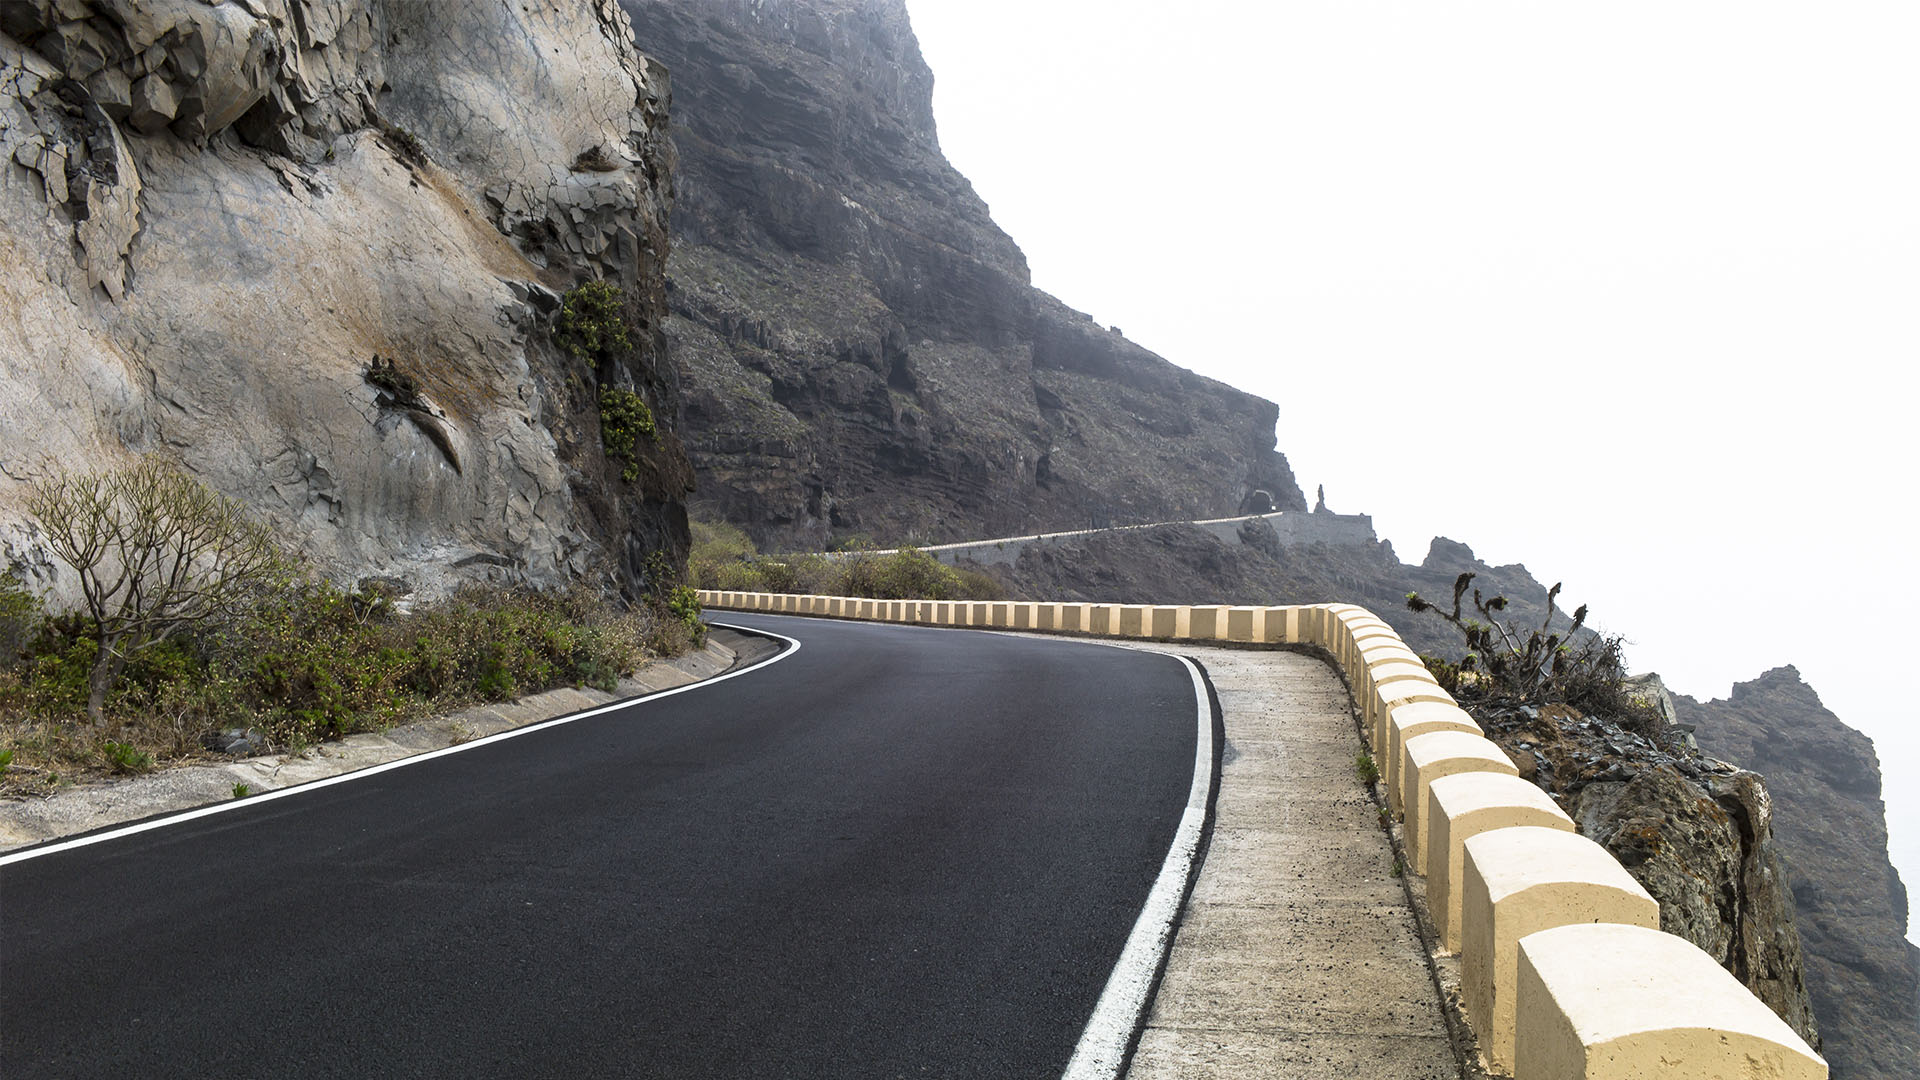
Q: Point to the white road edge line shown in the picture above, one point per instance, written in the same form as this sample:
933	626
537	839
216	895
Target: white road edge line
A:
401	763
1103	1045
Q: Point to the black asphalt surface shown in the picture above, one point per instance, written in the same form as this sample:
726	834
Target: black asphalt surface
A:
898	852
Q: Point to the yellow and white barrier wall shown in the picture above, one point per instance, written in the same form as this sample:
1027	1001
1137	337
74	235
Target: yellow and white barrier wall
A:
1564	974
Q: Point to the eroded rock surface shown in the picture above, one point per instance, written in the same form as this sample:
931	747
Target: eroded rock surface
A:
218	213
1825	778
862	348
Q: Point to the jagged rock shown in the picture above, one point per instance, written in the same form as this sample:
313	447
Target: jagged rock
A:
862	348
1708	858
216	274
153	105
1825	780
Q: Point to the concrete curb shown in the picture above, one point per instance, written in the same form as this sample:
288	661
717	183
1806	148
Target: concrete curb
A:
102	804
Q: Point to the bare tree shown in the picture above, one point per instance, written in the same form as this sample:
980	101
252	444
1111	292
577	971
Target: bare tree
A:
157	552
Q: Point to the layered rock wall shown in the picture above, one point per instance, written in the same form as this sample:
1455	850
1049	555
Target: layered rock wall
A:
862	348
218	214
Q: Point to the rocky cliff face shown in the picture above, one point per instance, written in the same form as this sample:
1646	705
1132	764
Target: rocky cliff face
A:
862	350
1831	822
215	215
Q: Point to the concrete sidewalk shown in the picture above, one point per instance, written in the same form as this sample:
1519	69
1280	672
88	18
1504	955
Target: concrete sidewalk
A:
1297	955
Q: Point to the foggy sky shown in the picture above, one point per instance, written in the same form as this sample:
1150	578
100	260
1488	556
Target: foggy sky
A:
1626	292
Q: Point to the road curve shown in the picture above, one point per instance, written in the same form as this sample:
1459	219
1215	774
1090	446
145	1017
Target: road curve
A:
896	852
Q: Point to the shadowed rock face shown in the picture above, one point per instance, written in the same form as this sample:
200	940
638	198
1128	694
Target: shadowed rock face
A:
861	347
1825	778
217	214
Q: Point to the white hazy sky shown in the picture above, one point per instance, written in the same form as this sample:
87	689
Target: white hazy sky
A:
1629	292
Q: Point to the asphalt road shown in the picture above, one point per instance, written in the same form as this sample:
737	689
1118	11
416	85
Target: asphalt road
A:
897	852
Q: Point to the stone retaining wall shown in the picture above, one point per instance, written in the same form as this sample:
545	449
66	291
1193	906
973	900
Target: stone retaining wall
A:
1565	973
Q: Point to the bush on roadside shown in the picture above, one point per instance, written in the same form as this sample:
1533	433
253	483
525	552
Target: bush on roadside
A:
312	661
1535	665
724	558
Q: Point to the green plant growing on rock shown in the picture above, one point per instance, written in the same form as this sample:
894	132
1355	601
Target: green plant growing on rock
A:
684	604
1532	665
157	553
624	421
592	323
1365	769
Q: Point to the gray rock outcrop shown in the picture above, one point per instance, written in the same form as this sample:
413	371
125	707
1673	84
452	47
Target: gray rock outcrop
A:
1825	777
862	347
218	212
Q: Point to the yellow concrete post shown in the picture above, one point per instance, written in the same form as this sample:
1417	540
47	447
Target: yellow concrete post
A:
1604	1001
1468	804
1206	623
1403	722
1521	880
1103	619
1161	621
1426	758
1391	695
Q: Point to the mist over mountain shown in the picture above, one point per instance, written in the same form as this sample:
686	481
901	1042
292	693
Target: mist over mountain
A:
862	354
861	350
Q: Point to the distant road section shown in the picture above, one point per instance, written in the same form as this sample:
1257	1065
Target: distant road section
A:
897	852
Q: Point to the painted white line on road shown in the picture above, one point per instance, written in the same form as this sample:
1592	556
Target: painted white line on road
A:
1103	1045
401	763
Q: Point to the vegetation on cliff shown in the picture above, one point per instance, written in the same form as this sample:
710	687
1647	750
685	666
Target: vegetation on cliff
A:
1696	833
196	621
1554	663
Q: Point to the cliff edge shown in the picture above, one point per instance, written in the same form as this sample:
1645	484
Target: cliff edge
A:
1831	823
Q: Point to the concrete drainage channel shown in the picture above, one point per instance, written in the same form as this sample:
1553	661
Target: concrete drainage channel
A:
89	807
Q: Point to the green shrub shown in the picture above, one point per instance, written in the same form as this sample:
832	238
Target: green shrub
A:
592	323
734	577
19	618
977	585
907	574
720	541
624	420
779	576
684	605
122	758
157	554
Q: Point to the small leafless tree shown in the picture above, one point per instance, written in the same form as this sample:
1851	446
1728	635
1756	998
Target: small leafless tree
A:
156	552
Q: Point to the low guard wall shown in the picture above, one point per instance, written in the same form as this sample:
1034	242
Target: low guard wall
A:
1576	984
